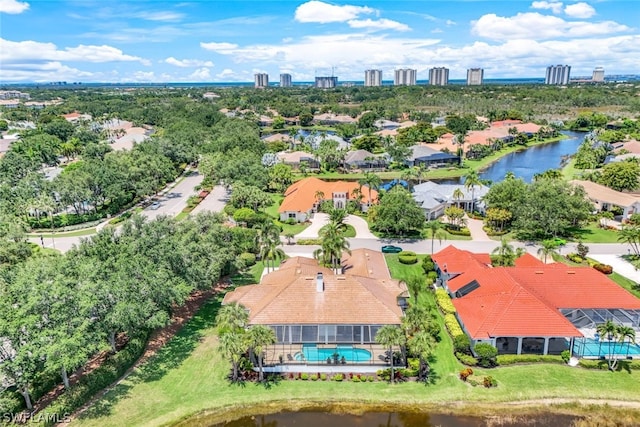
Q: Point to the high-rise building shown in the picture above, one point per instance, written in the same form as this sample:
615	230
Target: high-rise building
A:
285	80
475	76
326	82
557	75
405	77
439	76
598	75
373	77
261	80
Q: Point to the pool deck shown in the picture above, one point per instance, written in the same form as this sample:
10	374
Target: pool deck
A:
327	369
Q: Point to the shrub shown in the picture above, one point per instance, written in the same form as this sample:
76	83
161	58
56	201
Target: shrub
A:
290	221
432	275
371	378
304	376
467	359
462	344
323	377
466	373
489	382
248	259
512	359
428	264
566	356
337	377
453	326
461	232
309	241
444	301
583	250
575	258
603	268
407	257
486	354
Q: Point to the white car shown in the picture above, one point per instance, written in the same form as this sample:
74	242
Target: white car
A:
154	205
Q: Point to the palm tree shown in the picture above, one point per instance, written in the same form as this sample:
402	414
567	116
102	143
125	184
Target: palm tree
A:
609	330
506	254
624	333
337	216
435	231
259	337
319	196
631	234
548	248
289	236
471	180
457	195
333	245
372	181
409	175
232	346
268	241
415	284
421	344
232	318
390	336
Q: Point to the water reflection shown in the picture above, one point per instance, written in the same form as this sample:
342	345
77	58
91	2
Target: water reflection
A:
382	419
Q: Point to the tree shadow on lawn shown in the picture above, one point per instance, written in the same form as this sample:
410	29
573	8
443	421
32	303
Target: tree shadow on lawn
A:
167	358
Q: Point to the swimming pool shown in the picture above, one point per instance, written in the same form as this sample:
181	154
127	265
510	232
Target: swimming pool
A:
312	353
592	348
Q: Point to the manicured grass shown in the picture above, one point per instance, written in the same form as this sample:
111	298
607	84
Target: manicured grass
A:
628	284
592	233
250	276
402	271
272	210
76	233
292	228
187	376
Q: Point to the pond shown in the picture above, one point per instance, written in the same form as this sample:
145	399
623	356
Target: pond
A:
392	419
536	159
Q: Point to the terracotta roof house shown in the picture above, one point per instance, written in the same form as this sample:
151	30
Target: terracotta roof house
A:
277	137
333	119
532	307
316	313
434	198
301	201
605	198
295	158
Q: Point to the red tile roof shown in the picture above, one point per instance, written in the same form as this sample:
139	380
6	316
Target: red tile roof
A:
301	195
525	300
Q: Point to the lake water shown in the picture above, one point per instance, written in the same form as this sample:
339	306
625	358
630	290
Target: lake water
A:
324	419
535	159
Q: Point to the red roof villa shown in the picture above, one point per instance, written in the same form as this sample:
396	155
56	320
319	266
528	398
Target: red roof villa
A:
535	308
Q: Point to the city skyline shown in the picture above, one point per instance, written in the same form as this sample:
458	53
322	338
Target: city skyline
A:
144	41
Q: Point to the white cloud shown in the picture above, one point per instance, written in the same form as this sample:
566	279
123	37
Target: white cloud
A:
29	50
580	10
321	12
222	48
535	26
554	6
449	22
160	16
378	24
201	74
185	63
13	6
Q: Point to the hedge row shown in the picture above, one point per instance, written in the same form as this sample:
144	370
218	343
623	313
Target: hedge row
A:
444	301
309	241
453	326
461	232
407	257
602	364
512	359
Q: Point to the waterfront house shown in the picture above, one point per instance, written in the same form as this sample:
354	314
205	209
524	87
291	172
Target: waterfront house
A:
434	198
607	199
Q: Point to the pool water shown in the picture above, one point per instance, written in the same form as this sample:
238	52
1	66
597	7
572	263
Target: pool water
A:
312	353
593	348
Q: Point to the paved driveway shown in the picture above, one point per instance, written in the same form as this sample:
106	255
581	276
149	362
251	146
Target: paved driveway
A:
173	200
214	202
361	226
318	221
619	265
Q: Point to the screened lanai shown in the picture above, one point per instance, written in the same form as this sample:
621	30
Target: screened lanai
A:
591	317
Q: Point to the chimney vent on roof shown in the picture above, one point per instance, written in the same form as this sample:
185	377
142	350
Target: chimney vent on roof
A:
571	272
539	272
319	282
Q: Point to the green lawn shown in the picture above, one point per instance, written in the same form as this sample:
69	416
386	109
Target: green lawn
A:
76	233
592	233
187	377
250	276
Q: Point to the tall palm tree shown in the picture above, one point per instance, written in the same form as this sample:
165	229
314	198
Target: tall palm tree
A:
333	245
409	175
421	344
258	338
415	284
337	216
390	336
435	231
232	318
626	333
372	181
609	330
268	240
506	254
457	195
548	248
631	234
232	345
319	196
471	181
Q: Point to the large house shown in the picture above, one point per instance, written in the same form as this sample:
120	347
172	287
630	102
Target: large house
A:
422	154
303	198
316	313
532	307
434	198
607	199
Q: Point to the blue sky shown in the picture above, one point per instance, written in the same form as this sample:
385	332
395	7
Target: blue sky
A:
226	41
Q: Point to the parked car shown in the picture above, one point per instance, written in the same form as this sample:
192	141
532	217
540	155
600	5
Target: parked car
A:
390	249
154	205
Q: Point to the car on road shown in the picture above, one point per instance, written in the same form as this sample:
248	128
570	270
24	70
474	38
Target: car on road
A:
390	249
154	205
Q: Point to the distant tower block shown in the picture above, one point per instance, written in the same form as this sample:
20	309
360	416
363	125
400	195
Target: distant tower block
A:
373	77
327	82
598	75
261	80
405	77
475	76
285	80
557	75
439	76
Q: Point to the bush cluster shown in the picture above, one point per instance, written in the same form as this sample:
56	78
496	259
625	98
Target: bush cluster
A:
512	359
444	301
428	265
489	382
486	355
309	241
453	326
575	258
460	232
603	268
466	373
407	257
247	258
462	344
467	359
